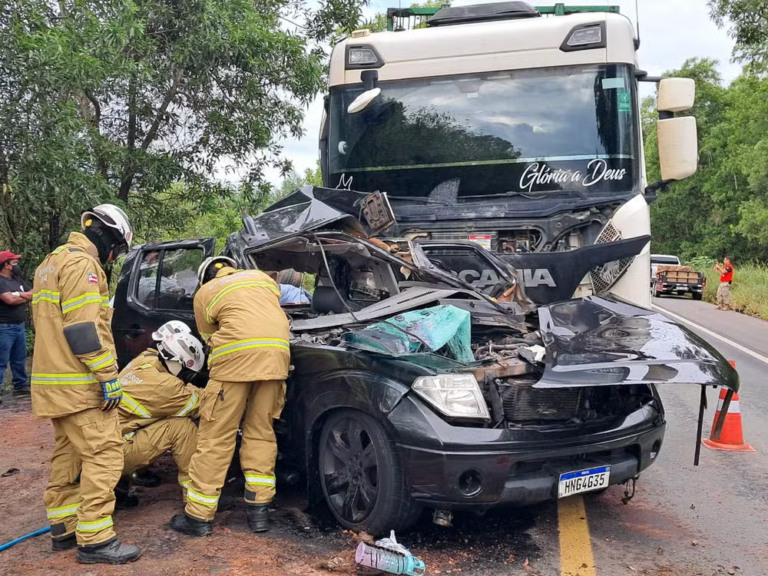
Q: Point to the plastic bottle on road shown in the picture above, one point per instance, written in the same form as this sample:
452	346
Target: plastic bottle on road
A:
389	556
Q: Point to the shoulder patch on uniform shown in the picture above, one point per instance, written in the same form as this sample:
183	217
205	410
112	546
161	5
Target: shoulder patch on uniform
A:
92	278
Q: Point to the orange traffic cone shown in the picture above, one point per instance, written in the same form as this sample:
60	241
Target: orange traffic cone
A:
732	436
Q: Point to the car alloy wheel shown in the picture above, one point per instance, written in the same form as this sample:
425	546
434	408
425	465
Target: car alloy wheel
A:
349	469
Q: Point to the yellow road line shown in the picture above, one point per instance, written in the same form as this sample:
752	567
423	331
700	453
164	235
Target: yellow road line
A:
575	545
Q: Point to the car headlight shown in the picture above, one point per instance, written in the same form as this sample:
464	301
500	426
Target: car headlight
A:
455	395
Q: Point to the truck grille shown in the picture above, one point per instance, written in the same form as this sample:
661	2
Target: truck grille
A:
523	403
606	275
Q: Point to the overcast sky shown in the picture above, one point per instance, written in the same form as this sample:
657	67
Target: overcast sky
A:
670	30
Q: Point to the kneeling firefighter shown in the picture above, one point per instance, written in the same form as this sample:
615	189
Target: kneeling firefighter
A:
75	384
158	405
238	312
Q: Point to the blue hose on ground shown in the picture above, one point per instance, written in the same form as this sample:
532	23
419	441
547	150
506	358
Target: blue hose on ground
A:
25	537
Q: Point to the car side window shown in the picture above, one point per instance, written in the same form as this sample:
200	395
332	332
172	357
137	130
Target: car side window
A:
146	289
168	278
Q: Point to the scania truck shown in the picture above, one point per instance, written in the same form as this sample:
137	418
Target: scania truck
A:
515	127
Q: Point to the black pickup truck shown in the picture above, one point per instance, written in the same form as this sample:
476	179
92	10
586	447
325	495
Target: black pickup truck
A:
530	403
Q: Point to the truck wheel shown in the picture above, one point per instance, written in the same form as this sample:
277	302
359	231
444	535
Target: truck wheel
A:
697	296
656	293
361	476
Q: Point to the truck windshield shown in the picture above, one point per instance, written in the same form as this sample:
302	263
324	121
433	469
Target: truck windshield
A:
520	133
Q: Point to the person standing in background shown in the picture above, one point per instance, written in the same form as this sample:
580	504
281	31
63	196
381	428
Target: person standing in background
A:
726	279
15	294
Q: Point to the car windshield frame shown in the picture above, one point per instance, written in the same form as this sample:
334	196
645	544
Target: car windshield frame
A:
470	161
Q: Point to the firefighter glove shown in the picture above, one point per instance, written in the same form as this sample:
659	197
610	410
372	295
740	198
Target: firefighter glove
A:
112	393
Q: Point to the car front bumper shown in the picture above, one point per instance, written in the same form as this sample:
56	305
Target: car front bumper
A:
464	468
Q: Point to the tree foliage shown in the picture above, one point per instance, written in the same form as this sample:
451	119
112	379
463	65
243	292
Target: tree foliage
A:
122	100
747	21
723	208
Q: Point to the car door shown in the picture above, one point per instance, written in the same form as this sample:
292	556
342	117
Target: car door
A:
157	284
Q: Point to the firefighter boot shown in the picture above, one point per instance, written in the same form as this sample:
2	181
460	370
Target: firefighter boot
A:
66	543
145	478
110	552
191	526
258	517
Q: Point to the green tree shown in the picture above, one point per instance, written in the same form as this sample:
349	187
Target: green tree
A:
747	21
723	208
683	217
294	181
121	99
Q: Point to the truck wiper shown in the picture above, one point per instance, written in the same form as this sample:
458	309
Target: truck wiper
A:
419	200
538	195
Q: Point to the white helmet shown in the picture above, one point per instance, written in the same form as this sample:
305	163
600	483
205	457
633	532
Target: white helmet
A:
222	260
171	327
112	217
181	350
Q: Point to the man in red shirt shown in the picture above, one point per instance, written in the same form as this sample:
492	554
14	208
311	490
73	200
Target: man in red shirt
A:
726	278
15	294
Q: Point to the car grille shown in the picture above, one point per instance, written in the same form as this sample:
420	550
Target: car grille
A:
523	403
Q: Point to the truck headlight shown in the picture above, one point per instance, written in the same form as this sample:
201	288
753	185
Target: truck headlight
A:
455	395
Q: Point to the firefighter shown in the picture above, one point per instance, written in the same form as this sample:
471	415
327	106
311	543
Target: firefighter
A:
157	407
238	313
75	383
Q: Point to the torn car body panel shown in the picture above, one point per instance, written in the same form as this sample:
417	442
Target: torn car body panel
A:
310	208
605	342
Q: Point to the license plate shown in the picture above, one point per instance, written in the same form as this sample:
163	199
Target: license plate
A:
682	288
583	481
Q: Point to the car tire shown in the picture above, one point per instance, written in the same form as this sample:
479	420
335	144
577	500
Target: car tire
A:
697	296
361	476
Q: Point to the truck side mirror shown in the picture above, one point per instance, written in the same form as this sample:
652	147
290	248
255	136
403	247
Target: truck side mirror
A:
677	137
678	148
676	94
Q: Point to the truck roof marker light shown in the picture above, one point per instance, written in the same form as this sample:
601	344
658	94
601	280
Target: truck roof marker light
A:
585	37
362	33
363	57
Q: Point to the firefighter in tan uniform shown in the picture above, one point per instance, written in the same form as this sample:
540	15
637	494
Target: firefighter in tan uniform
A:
239	314
74	382
157	407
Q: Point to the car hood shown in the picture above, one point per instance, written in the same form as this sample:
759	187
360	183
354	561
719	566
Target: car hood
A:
599	341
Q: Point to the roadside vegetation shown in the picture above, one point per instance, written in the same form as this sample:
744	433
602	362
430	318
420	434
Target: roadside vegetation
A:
723	209
749	292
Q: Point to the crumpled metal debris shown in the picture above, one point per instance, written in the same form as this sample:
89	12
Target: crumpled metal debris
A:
533	354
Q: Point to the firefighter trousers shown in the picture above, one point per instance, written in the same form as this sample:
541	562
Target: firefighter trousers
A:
85	467
179	435
258	404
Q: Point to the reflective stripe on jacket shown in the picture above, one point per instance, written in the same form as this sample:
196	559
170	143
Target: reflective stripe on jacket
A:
239	313
70	288
150	393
